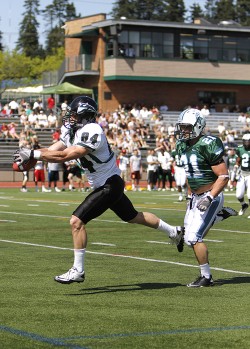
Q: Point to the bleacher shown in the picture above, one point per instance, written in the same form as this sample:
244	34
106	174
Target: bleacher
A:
7	147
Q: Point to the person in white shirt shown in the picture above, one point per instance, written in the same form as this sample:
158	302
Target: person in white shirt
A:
135	169
123	166
153	164
205	111
83	139
42	119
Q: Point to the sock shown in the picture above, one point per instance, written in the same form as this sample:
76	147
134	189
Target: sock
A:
79	260
169	229
205	270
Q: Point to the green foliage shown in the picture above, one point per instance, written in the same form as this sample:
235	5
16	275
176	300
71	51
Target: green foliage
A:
135	293
161	10
28	41
195	11
15	66
225	10
243	12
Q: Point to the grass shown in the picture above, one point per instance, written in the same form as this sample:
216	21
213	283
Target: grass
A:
135	293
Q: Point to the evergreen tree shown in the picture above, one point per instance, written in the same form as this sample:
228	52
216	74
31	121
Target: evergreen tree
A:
55	16
243	12
175	11
210	10
225	10
161	10
195	12
28	41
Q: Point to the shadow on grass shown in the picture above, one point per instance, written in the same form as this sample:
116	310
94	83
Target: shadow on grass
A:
234	280
125	288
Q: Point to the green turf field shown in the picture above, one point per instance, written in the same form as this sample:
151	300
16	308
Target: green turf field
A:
135	293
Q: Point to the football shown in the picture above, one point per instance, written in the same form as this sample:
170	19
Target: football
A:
26	166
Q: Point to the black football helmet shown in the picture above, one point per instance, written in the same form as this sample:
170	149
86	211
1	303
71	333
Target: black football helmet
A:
246	141
81	111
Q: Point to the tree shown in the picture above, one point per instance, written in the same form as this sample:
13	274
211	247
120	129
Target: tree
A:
210	10
175	11
195	12
225	10
161	10
55	15
28	41
243	12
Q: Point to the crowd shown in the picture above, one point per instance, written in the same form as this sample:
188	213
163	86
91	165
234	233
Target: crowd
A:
129	131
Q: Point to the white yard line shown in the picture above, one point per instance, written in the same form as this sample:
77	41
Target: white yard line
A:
127	256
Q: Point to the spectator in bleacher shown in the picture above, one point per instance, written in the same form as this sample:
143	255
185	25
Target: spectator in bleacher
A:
12	130
6	110
23	118
56	135
163	108
52	120
32	119
222	130
14	107
145	113
50	104
38	106
23	142
5	130
205	111
64	106
110	138
42	120
135	111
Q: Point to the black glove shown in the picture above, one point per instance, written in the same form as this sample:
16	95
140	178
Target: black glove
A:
204	203
22	155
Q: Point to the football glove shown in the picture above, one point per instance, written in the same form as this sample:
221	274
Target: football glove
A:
23	154
204	203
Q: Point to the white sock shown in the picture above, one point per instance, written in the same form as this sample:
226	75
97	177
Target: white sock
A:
169	229
205	270
79	259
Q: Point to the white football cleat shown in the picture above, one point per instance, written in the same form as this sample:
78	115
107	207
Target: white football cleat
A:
72	275
44	190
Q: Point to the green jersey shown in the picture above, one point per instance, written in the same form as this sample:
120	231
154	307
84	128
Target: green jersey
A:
199	158
176	158
231	161
244	156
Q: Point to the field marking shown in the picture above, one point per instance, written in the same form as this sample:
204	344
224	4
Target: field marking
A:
160	333
38	338
4	205
159	242
33	205
103	244
126	256
7	220
107	220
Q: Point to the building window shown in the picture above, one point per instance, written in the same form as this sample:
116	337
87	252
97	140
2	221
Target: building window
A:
217	97
107	96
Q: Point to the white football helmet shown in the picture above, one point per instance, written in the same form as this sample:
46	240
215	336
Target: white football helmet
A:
246	141
190	124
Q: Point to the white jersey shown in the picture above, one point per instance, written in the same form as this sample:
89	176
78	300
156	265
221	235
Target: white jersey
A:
100	163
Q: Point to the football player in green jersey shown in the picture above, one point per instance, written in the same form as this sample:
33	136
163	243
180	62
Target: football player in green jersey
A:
243	183
207	176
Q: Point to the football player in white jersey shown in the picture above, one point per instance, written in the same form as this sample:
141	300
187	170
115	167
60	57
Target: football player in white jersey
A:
83	139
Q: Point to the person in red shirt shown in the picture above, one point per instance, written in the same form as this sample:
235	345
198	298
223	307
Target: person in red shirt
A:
51	103
56	135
